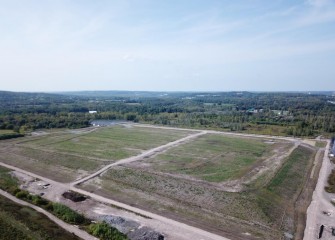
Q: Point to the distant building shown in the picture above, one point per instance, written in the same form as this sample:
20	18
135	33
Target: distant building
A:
91	112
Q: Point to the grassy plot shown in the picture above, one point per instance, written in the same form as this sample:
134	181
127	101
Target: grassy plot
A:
321	144
111	143
52	171
291	176
59	159
213	158
65	155
277	199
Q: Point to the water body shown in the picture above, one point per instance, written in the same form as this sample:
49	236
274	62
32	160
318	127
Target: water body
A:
105	123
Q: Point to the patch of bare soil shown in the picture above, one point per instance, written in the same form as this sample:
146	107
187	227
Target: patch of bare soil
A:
74	196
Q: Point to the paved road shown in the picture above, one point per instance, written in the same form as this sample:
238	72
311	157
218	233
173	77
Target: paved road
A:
70	228
320	203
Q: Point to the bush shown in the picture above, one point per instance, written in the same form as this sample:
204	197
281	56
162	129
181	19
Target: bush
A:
49	207
10	135
67	214
37	200
105	232
22	194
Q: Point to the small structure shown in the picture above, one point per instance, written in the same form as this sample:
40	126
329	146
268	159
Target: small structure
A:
92	112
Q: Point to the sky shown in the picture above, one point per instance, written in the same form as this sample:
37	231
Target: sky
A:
167	45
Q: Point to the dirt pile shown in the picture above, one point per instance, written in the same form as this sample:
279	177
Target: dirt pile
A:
74	196
132	229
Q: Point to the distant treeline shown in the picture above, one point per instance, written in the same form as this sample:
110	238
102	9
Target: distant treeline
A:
297	114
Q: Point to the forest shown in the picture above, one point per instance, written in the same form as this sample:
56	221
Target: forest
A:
275	113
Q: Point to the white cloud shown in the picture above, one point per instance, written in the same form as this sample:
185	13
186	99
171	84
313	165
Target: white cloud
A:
319	3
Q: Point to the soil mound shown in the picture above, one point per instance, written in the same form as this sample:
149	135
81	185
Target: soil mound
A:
74	196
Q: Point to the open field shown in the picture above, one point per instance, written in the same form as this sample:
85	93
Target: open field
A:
110	143
69	154
240	187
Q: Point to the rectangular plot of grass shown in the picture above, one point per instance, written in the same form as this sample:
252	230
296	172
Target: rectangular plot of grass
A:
213	158
117	142
54	172
60	159
291	176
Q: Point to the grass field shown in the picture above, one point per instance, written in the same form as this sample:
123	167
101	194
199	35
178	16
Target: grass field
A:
277	199
65	155
321	144
189	182
213	158
111	143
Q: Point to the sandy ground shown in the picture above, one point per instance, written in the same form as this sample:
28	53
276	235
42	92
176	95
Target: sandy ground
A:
321	211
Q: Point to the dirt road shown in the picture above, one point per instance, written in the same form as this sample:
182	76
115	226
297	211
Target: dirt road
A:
70	228
172	229
321	211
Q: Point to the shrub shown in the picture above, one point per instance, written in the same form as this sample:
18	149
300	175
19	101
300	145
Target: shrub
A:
67	214
22	194
37	200
105	232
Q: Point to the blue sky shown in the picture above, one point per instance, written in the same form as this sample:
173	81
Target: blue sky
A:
184	45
